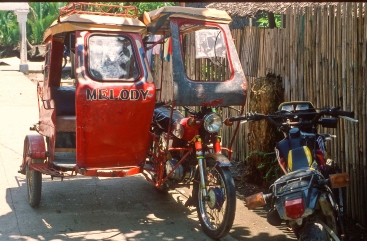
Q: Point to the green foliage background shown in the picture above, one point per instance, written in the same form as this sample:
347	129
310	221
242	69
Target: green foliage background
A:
264	22
40	17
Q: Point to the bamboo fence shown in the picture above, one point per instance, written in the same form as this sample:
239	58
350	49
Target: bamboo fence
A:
321	57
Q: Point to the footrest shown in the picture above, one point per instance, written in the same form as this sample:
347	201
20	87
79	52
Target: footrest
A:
52	172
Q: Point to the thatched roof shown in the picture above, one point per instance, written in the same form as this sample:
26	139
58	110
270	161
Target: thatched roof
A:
252	9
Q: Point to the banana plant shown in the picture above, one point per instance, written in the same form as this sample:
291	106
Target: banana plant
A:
41	15
9	32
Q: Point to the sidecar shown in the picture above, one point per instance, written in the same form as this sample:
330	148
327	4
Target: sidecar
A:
96	126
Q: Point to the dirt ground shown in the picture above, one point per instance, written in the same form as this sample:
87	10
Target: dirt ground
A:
354	231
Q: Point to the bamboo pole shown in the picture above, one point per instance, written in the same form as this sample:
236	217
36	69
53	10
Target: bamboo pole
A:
308	59
333	69
322	78
344	91
317	58
363	115
353	101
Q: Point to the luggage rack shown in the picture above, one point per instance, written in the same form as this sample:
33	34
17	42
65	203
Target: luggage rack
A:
98	9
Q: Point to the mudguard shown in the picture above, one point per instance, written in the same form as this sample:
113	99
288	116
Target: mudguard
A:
221	159
34	148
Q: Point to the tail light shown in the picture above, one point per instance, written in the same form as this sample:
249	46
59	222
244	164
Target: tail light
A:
294	208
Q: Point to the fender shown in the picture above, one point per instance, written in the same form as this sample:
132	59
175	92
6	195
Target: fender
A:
34	148
221	159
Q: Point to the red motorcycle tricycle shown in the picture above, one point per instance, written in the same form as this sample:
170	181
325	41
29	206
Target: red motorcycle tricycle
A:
117	120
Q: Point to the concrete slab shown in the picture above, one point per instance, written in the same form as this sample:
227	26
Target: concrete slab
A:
90	208
13	64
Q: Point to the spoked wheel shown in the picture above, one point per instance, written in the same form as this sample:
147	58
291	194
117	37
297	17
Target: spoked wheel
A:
154	162
34	186
216	211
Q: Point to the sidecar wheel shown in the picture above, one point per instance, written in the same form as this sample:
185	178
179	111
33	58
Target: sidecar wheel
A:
34	186
313	232
216	212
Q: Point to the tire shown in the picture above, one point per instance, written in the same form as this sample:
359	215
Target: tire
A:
34	186
216	215
313	232
64	61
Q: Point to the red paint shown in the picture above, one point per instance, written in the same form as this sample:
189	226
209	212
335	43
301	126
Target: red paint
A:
111	129
217	147
213	103
198	145
116	172
189	131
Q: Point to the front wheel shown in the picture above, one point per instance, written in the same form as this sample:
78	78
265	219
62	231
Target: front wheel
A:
216	211
313	232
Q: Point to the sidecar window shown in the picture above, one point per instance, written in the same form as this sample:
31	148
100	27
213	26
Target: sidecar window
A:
209	60
111	58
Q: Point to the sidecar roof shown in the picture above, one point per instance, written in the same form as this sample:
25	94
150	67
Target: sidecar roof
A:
157	20
94	22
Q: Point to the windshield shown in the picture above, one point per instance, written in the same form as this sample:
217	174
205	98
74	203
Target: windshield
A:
112	58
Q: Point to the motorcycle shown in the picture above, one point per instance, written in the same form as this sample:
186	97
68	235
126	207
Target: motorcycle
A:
308	197
111	122
193	150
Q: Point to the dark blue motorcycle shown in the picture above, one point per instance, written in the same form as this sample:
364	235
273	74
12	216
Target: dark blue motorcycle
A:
308	197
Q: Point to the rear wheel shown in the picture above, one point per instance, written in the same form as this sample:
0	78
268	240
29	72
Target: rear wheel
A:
34	186
216	211
313	232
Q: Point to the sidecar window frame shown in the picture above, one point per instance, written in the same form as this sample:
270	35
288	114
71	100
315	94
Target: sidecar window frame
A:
109	67
209	62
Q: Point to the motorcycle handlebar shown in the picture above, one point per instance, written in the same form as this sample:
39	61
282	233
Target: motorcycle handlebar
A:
344	113
330	111
237	118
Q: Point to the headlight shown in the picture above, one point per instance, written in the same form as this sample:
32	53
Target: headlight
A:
213	123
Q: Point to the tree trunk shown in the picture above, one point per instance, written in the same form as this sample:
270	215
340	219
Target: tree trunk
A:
266	95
